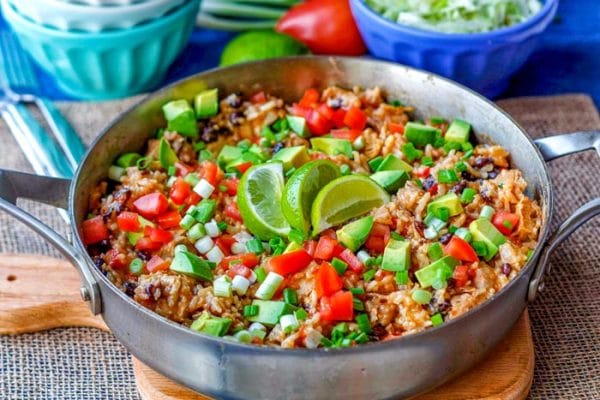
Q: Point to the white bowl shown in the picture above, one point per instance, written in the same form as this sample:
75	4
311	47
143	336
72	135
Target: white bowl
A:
68	16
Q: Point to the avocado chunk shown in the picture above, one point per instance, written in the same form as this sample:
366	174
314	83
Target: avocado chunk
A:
269	311
211	325
484	231
128	160
391	180
207	103
421	135
191	265
181	118
292	157
331	146
396	256
227	155
440	269
166	155
449	201
354	234
458	131
392	163
297	125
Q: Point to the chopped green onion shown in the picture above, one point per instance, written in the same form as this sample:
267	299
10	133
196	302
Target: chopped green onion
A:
480	248
296	236
396	236
486	212
363	256
396	103
367	276
410	152
363	323
115	173
357	291
243	336
529	254
452	229
192	179
222	188
143	163
430	233
359	143
378	260
301	314
222	286
204	210
467	155
128	160
136	266
290	296
466	146
180	248
362	338
196	232
267	289
448	146
442	213
421	296
277	245
171	181
507	224
240	284
447	176
244	144
255	246
261	274
250	310
345	169
222	226
199	146
464	234
419	183
339	265
357	304
402	277
460	166
205	155
289	323
172	170
435	251
427	161
339	331
437	319
468	195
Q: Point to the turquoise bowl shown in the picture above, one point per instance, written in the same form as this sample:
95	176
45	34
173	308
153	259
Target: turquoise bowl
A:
110	64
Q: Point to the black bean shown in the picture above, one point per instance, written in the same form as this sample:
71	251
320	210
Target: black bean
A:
335	103
149	290
429	182
445	238
485	196
459	187
236	117
98	248
98	262
466	175
145	256
506	269
130	288
278	146
379	331
209	134
482	162
493	174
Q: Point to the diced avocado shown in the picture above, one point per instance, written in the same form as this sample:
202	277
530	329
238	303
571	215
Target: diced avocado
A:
392	163
181	118
211	325
458	131
354	234
450	201
166	155
228	154
191	265
420	135
391	180
442	268
292	157
331	146
396	256
297	125
133	237
128	160
207	103
484	231
259	152
269	311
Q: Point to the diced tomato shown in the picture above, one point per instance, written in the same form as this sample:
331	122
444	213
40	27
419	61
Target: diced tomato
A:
259	97
460	249
158	235
423	172
382	230
348	134
472	271
193	199
289	263
94	230
329	233
352	260
317	124
433	189
232	185
168	220
396	128
238	269
338	249
244	166
300	111
327	280
182	169
180	191
375	244
232	211
310	246
209	171
460	275
116	260
338	118
145	244
310	98
326	111
151	205
249	260
338	307
224	242
128	221
325	248
157	264
505	222
355	119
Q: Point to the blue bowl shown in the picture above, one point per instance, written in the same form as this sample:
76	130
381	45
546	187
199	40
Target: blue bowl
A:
110	64
483	61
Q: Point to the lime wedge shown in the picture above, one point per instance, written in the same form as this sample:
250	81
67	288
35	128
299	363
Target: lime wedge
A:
345	198
260	45
259	201
302	188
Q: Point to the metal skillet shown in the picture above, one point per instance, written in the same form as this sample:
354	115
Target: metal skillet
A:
391	369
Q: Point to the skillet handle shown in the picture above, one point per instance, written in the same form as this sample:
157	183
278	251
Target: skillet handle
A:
53	191
553	147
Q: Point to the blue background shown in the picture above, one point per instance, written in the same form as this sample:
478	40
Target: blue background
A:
567	61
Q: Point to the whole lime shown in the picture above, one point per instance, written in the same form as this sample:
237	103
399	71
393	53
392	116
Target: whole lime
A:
260	45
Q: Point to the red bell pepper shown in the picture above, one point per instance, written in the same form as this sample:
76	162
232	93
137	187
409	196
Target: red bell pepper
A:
169	220
326	111
310	246
317	124
151	205
231	210
460	249
183	169
248	260
433	189
259	97
290	263
128	221
116	260
423	172
158	235
325	248
338	118
505	222
239	269
145	244
310	98
325	26
338	307
232	185
327	280
224	242
94	230
210	171
348	134
378	238
460	275
180	191
355	119
396	128
352	260
193	199
157	264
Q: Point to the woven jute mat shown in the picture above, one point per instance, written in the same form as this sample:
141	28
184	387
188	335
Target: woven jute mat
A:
80	363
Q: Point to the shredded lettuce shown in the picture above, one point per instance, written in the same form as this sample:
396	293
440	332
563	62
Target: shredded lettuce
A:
456	16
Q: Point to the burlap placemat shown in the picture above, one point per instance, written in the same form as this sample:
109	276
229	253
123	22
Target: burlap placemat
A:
86	363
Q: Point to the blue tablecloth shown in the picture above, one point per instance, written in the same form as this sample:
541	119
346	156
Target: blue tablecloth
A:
567	61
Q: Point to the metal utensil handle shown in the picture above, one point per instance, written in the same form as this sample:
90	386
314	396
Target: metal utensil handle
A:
66	136
553	147
52	191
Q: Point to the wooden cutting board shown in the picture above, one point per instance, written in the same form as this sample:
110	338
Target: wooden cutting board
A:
40	293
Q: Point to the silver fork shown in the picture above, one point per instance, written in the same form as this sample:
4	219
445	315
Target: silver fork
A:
23	86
